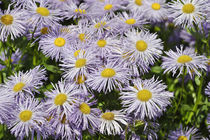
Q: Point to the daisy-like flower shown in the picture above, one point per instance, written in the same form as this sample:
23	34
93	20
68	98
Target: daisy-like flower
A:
188	59
21	84
42	14
101	8
111	121
207	90
184	134
6	103
105	45
157	10
108	77
84	116
187	12
60	99
137	5
71	10
28	118
142	46
79	64
146	98
14	58
129	21
12	22
54	43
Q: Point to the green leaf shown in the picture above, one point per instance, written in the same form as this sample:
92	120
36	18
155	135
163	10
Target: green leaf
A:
53	68
197	81
156	69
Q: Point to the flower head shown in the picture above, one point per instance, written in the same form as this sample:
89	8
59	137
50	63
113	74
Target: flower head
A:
12	22
110	122
177	61
146	98
187	12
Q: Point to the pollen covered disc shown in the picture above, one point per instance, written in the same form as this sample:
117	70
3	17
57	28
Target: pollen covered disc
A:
141	45
25	115
80	63
81	37
184	59
108	116
130	21
182	138
144	95
7	19
59	42
43	11
60	99
188	8
108	7
138	2
84	108
101	43
156	6
18	87
108	73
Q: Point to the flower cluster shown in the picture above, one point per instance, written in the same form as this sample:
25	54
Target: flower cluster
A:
101	47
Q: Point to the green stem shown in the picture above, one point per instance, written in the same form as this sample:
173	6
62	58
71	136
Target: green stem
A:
183	90
198	100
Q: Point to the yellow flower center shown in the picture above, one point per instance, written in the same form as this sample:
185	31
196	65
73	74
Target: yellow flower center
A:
81	79
60	99
80	63
101	43
80	11
108	7
43	11
59	42
108	73
138	2
184	59
141	45
44	30
7	19
188	8
182	138
82	37
108	116
84	108
156	6
25	115
144	95
18	87
130	21
100	24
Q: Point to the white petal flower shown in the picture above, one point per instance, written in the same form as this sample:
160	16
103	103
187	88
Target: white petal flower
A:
12	22
176	61
110	122
188	12
146	98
